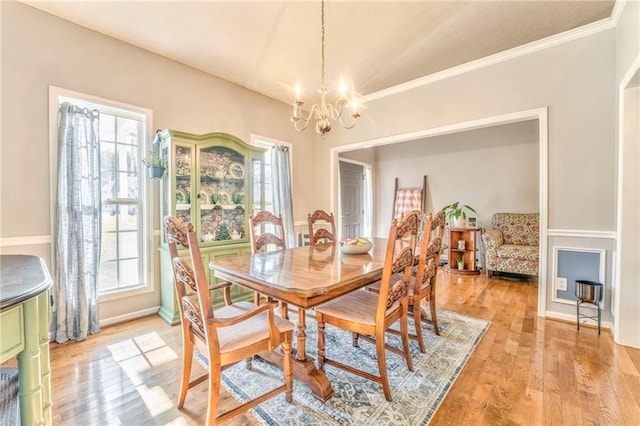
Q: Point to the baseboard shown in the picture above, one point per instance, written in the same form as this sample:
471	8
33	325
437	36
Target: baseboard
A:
571	319
129	316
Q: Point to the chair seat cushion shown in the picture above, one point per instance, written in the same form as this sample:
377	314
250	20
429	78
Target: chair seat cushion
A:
359	307
248	332
508	251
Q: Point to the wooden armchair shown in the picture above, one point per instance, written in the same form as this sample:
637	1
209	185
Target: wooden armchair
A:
372	314
229	335
322	235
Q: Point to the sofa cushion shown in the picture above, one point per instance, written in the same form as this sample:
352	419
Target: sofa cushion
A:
509	251
518	228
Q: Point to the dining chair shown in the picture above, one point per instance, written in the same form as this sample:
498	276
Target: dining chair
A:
266	232
371	314
424	275
321	235
226	336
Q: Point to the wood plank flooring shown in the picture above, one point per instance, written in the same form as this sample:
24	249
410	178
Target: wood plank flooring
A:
525	371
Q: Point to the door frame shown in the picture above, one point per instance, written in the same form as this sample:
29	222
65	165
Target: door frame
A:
539	114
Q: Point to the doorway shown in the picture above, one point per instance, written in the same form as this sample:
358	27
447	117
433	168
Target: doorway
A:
540	115
355	204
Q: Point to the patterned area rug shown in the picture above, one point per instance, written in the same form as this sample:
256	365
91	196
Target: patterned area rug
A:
9	408
357	401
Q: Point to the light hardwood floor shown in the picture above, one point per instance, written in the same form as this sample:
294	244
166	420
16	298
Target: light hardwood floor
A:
525	371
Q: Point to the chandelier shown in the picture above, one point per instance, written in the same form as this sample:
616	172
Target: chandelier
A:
325	112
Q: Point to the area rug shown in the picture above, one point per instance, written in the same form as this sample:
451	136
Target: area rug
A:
357	401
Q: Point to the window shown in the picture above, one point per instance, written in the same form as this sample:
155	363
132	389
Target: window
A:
277	194
124	255
269	145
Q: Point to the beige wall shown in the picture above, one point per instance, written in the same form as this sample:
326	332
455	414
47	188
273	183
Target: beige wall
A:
39	50
491	169
573	81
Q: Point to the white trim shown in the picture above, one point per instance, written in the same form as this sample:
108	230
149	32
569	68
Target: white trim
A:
480	123
616	13
601	272
252	141
633	69
33	240
540	114
582	233
572	318
129	316
535	46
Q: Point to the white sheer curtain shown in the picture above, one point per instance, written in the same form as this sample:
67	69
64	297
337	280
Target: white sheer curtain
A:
78	225
282	193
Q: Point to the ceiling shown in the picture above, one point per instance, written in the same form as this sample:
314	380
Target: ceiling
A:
270	46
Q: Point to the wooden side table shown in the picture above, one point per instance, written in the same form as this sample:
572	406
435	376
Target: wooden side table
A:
462	251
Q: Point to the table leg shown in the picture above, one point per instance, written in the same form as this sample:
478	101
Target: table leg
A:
301	353
304	367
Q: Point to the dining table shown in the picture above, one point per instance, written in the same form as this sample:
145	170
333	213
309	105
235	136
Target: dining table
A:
304	277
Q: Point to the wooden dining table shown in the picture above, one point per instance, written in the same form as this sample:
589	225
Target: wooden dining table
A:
304	277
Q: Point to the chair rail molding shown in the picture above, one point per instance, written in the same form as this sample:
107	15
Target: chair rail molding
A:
582	233
31	240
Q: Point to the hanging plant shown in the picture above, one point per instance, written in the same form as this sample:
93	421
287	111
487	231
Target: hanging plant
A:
155	164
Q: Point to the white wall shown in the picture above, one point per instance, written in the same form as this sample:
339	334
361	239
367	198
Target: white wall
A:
39	50
627	295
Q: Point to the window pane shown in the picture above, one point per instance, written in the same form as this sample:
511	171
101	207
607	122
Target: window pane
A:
107	157
127	185
127	158
109	250
129	218
108	275
107	127
128	244
129	272
127	131
108	185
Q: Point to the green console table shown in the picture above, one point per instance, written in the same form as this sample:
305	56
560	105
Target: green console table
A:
24	331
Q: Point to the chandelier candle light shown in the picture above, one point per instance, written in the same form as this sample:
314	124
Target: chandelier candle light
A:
325	112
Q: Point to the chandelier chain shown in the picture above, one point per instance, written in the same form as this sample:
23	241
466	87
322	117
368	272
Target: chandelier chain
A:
322	48
324	112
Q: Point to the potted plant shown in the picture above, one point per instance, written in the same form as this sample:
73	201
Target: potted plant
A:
461	263
456	214
155	164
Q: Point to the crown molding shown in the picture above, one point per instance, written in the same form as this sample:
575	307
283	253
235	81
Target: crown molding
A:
535	46
616	13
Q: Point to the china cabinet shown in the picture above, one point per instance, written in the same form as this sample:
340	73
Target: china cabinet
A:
215	181
462	250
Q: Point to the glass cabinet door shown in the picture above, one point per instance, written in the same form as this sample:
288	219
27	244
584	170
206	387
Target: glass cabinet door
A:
182	190
177	183
222	194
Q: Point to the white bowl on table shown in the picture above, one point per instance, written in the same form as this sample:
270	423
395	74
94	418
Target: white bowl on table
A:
355	248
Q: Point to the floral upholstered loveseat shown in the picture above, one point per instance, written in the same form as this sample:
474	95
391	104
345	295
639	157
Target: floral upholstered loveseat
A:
512	246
